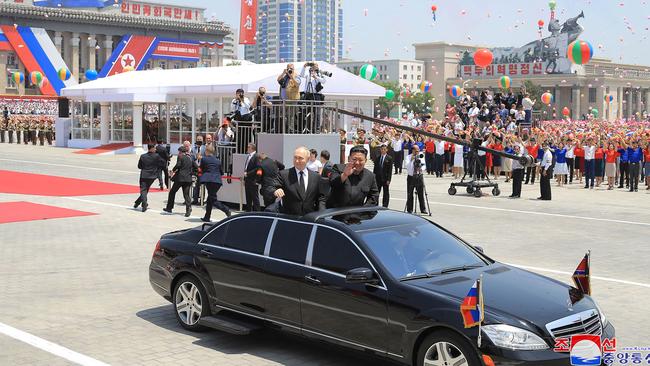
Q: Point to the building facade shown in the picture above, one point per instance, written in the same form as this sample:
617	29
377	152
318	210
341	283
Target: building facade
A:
87	38
581	89
407	73
292	31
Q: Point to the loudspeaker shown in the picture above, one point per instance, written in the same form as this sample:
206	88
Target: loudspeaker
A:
64	108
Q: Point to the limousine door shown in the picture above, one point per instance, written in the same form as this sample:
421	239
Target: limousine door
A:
233	255
354	314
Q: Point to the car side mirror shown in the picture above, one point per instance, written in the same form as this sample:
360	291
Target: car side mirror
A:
361	275
479	248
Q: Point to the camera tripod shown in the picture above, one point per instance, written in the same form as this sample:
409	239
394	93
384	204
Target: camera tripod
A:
474	184
415	201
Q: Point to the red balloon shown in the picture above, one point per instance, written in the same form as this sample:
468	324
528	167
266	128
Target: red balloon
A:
483	57
540	23
434	8
565	111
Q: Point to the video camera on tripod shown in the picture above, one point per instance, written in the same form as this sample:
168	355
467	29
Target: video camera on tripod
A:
314	67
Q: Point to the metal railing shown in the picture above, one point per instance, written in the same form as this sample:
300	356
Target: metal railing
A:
298	117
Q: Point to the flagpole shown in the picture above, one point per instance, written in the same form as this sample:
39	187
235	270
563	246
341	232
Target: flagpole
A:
480	319
589	270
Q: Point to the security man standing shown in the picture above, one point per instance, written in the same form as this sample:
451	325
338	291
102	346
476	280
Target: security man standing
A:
270	170
181	175
352	184
383	172
546	168
150	165
250	179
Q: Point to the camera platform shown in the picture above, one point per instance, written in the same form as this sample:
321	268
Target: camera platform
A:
474	184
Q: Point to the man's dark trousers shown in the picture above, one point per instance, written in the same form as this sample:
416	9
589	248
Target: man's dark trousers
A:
145	184
517	178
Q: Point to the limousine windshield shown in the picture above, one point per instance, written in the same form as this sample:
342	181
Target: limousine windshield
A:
414	250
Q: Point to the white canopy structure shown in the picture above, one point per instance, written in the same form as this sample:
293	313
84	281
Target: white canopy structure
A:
161	86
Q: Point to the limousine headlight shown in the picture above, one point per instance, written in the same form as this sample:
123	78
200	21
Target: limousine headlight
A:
507	336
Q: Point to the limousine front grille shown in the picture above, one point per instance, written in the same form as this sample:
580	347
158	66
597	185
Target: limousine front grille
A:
586	322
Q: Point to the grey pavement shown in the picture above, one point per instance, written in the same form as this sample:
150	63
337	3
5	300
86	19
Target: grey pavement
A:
83	283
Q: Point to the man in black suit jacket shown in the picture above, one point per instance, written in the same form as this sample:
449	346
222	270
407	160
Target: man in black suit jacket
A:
161	150
270	172
149	165
352	184
182	178
251	166
383	171
299	188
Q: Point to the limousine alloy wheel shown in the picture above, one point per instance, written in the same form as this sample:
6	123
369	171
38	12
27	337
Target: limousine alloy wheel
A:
446	349
190	303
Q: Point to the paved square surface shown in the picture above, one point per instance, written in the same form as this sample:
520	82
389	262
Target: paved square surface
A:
82	282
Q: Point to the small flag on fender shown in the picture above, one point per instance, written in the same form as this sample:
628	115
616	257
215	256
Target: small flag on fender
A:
581	275
472	306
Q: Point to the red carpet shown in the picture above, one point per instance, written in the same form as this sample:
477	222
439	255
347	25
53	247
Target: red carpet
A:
104	148
27	211
48	185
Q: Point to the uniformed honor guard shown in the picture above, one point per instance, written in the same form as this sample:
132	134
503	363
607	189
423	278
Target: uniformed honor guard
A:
352	184
48	132
41	133
33	126
11	127
19	131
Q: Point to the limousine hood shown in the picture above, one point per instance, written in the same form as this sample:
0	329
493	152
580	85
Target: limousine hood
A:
513	293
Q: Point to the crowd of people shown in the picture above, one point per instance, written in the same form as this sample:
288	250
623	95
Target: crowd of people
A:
16	106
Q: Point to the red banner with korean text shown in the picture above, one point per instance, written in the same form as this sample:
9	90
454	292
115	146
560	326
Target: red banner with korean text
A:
248	22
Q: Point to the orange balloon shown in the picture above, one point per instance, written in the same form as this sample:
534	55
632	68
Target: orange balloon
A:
483	57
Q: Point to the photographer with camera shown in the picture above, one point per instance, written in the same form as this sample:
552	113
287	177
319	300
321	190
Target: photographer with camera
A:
289	84
415	180
240	107
315	80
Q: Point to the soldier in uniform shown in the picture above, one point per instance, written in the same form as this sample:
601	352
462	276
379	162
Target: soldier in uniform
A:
48	132
41	132
11	126
19	130
33	126
3	124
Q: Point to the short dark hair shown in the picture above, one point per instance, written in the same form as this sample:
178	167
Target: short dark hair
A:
240	90
359	149
151	146
313	152
325	154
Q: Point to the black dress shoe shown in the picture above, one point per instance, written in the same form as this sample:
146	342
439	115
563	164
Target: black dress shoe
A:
204	219
136	204
195	203
424	213
188	213
144	207
168	210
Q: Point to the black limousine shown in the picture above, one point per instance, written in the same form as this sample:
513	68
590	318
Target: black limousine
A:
372	279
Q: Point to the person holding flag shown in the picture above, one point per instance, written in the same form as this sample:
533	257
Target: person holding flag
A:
581	275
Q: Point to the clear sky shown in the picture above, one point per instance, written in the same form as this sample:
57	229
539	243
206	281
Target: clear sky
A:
618	30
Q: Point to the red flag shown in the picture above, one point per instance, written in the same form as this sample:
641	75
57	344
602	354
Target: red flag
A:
581	275
248	22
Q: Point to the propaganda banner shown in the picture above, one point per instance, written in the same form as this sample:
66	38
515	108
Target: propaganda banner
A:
248	22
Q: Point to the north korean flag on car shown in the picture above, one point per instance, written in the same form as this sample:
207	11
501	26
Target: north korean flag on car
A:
472	306
581	275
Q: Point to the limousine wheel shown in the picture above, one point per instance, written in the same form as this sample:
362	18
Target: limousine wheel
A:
190	303
446	349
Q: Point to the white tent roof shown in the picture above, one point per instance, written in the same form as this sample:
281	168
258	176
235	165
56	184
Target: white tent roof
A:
164	85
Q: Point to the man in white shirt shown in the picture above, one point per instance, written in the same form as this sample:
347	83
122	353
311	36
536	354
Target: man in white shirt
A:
590	167
312	76
570	161
473	114
398	153
528	104
546	173
439	158
240	107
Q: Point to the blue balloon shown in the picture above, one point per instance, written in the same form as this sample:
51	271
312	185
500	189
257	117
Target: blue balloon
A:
91	74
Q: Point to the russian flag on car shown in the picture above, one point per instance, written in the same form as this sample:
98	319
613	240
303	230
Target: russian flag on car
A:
471	308
581	275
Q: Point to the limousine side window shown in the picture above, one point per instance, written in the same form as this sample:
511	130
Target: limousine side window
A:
247	234
290	241
335	252
216	236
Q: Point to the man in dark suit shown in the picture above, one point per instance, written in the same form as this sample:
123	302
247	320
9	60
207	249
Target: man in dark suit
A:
149	165
270	170
161	150
182	178
298	187
251	166
352	184
383	172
